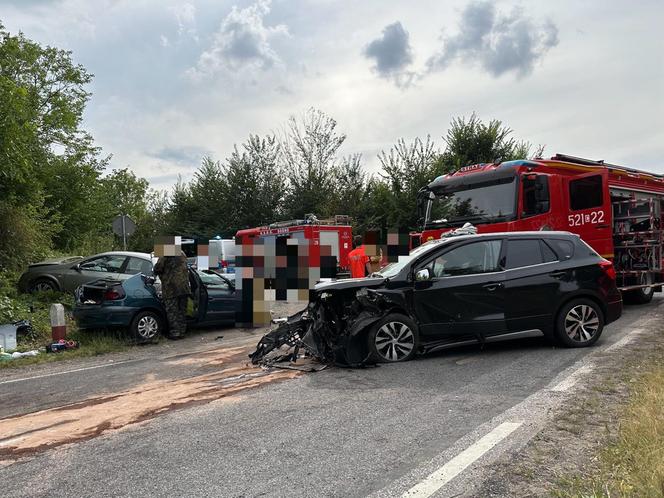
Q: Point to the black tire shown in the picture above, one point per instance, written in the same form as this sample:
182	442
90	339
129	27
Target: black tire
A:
147	326
579	323
43	285
392	339
641	296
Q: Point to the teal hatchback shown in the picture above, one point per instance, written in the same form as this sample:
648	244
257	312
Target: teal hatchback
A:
135	304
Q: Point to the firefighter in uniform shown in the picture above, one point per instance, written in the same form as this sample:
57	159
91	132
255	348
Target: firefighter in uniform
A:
175	290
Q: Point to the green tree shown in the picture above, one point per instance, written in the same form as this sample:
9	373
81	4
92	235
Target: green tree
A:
198	208
51	169
310	148
471	141
255	184
350	188
406	169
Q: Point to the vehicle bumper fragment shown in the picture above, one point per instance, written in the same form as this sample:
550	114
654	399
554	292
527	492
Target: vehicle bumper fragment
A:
331	330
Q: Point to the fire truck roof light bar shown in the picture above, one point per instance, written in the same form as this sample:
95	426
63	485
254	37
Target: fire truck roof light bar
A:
600	162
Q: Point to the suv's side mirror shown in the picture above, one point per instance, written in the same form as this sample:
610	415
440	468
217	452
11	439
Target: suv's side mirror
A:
422	274
77	267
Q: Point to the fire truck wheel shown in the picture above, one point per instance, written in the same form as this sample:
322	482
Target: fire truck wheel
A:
579	324
641	296
394	338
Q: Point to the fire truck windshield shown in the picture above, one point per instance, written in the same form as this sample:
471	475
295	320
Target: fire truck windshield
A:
488	201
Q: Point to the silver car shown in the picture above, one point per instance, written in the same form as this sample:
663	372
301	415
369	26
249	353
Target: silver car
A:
67	274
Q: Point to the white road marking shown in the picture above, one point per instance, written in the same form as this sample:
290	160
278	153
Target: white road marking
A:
625	340
69	371
572	378
459	463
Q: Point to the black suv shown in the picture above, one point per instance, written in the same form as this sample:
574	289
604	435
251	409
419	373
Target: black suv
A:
460	290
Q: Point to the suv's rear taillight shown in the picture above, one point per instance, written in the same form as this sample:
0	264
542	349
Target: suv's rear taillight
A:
114	294
608	269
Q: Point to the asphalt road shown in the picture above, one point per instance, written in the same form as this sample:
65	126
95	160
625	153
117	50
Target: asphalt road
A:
425	428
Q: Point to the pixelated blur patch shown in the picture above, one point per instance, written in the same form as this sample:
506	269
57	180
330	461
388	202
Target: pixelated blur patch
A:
278	268
397	245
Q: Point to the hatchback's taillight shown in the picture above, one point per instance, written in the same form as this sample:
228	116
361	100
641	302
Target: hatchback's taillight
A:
114	294
608	269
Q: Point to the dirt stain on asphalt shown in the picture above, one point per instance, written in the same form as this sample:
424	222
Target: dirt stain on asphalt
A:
34	432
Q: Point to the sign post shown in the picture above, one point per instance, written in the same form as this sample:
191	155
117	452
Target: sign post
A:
123	226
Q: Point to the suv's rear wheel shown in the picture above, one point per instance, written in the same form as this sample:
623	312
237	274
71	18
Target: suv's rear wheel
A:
146	326
580	323
394	338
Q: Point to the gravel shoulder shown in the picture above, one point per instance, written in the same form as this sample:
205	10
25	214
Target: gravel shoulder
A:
565	453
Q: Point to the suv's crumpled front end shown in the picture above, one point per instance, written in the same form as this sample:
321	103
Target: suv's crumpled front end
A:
331	329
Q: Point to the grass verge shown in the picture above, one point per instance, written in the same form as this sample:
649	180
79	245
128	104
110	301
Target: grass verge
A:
633	464
35	308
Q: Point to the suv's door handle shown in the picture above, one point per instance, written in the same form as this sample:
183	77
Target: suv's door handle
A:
493	286
558	274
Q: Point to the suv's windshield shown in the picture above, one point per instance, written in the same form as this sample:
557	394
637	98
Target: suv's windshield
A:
392	269
486	201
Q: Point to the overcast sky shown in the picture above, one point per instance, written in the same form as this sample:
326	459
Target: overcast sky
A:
175	80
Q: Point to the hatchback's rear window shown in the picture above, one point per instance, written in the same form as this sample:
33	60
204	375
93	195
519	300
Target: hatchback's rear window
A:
523	253
563	248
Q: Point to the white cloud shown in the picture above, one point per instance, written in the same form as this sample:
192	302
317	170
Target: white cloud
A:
242	41
497	43
392	54
185	17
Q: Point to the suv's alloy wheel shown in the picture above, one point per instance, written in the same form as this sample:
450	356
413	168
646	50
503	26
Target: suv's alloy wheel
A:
393	339
580	323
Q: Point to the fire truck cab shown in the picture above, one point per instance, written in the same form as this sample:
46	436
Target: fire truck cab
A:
335	233
616	210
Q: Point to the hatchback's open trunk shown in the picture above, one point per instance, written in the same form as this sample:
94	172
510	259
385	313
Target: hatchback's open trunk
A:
93	292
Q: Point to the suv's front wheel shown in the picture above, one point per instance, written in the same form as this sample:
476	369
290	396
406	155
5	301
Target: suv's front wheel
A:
580	323
394	338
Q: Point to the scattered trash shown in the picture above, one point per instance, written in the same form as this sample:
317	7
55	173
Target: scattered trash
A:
219	338
61	345
8	336
17	354
27	354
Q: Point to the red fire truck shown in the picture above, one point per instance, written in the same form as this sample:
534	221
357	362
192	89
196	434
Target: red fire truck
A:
336	233
616	210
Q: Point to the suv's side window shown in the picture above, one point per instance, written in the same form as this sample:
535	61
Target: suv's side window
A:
138	265
526	252
109	263
469	259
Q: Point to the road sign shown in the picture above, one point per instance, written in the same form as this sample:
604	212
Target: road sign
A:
123	226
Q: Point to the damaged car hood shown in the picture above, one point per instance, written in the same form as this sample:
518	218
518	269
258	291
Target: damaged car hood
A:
349	283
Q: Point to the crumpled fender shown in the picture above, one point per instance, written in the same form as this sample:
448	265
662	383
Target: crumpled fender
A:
364	320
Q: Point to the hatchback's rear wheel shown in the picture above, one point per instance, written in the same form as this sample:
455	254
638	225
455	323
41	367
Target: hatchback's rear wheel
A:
146	326
394	338
580	323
